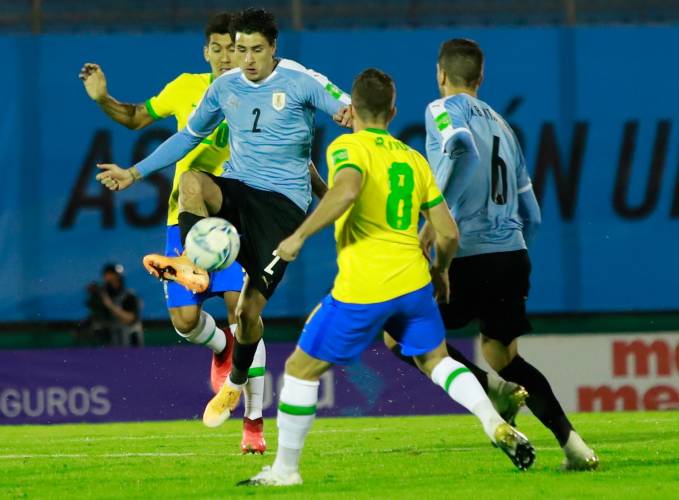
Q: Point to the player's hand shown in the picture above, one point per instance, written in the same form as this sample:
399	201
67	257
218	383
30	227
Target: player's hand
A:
94	80
343	117
114	177
441	284
289	248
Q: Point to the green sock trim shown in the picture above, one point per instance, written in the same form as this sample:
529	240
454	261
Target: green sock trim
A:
453	376
296	410
210	337
256	372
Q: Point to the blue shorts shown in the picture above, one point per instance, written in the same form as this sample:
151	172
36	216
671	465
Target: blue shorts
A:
338	332
227	280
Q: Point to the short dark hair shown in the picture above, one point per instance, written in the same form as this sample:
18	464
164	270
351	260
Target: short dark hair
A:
255	21
462	61
373	93
220	24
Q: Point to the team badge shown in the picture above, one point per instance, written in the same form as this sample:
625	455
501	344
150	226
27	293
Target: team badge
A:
278	100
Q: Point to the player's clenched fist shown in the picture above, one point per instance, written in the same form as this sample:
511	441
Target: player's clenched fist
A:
343	117
116	178
289	248
94	80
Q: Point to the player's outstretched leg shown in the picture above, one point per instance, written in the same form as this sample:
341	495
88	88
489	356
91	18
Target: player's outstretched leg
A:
253	423
248	335
296	414
542	402
461	385
507	397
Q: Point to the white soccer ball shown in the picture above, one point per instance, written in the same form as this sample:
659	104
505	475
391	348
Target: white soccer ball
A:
212	244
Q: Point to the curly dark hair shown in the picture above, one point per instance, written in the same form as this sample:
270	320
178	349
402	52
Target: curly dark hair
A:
219	24
255	21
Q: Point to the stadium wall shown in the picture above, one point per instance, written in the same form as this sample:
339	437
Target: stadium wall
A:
167	383
589	373
593	107
614	372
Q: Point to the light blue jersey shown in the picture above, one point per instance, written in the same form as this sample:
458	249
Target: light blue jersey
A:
487	210
271	125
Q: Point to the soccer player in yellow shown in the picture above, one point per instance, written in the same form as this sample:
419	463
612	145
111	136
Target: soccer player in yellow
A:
378	188
179	98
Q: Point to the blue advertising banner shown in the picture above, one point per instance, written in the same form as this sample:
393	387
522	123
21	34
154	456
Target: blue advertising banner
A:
168	383
594	108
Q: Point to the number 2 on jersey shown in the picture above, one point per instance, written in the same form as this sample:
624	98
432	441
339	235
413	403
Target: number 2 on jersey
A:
256	112
400	199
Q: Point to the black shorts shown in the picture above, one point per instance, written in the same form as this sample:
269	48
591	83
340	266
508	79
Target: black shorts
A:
492	287
263	219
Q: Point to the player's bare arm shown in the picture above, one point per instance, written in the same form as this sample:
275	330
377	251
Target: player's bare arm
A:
318	185
446	243
336	201
132	116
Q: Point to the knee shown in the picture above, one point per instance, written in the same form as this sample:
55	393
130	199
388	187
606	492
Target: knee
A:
189	186
184	321
292	367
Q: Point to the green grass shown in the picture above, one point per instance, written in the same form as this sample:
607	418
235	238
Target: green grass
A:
412	457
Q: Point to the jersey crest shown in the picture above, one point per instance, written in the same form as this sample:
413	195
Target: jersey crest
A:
278	100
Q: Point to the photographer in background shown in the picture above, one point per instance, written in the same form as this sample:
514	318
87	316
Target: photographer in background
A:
114	317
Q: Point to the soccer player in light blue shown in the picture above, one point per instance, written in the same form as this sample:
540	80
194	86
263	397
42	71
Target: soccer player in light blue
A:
265	190
481	171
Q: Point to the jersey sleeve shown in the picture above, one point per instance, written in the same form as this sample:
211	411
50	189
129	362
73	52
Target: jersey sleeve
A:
322	94
342	154
162	105
450	117
431	194
208	114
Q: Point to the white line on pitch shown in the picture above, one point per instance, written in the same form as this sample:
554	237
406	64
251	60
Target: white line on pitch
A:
91	439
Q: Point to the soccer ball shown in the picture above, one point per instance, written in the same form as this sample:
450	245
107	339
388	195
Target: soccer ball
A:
212	244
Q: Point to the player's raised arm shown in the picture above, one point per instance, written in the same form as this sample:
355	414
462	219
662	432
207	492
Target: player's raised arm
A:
132	116
326	96
207	117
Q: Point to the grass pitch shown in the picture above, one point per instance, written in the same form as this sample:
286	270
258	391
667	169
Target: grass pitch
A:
407	457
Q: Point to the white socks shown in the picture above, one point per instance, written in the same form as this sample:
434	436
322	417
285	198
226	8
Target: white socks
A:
254	388
206	333
296	413
462	386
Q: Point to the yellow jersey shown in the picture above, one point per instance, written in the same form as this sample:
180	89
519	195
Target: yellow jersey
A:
378	251
179	98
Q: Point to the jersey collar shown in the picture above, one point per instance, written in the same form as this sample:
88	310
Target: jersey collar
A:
376	131
261	82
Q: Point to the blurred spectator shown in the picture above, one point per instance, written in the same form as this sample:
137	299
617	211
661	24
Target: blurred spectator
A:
115	312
